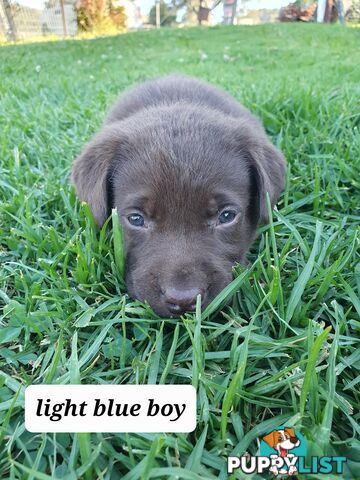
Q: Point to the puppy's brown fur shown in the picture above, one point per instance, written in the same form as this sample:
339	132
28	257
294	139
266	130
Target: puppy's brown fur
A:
179	152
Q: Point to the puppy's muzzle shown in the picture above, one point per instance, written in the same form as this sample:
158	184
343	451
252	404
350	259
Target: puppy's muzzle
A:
181	300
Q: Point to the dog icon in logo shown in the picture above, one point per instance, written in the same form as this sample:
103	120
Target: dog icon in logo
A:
282	441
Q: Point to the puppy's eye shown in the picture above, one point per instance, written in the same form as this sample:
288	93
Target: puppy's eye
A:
136	220
227	216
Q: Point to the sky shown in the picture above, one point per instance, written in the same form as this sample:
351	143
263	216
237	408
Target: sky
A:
145	5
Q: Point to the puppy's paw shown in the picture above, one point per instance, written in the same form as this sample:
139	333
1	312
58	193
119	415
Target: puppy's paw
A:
292	470
274	471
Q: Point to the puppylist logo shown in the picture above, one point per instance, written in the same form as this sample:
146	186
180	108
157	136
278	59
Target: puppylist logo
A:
283	452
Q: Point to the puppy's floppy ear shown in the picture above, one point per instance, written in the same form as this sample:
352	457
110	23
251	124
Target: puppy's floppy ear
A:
272	439
269	168
290	431
91	171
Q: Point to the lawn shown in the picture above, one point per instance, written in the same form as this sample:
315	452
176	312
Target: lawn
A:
286	349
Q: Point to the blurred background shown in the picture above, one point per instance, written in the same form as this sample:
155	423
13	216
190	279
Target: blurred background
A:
30	20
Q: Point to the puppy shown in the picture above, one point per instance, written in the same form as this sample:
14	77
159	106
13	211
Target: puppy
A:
188	169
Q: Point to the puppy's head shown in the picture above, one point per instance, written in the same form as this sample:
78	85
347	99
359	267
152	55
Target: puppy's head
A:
282	440
190	189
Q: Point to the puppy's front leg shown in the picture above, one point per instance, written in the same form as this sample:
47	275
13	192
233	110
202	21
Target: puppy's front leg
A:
274	468
292	468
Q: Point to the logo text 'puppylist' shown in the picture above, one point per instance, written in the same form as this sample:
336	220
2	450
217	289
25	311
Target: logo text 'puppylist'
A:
283	452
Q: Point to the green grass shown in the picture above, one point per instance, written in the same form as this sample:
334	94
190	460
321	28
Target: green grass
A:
286	351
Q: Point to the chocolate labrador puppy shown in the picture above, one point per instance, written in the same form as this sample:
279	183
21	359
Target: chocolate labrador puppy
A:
188	169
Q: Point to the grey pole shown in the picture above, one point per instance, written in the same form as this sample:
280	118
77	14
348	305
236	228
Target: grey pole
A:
63	17
340	9
157	8
11	29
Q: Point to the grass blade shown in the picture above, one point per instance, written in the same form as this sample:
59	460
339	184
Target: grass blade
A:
310	367
304	277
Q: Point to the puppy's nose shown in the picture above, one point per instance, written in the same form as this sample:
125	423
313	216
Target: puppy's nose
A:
180	300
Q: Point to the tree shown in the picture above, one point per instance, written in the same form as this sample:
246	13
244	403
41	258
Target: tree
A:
97	13
168	14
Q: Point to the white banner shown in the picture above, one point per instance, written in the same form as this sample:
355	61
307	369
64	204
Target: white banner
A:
110	408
